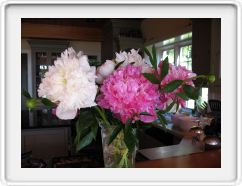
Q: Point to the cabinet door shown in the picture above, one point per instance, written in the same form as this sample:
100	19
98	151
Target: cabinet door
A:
24	77
43	59
41	66
44	53
46	143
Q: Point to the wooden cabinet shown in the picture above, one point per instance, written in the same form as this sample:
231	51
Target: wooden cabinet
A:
44	53
46	143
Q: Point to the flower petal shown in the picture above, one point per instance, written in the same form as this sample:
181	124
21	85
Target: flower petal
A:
65	114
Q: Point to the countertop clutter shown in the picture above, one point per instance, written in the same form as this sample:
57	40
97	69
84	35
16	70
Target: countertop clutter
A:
171	148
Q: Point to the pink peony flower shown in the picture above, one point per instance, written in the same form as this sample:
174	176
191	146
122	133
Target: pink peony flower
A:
108	67
127	93
175	73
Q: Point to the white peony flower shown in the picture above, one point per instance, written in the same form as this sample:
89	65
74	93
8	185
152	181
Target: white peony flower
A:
132	57
70	83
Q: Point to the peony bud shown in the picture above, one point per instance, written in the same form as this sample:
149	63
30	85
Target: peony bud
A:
99	79
106	69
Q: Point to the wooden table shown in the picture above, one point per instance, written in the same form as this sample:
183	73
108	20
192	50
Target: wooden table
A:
207	159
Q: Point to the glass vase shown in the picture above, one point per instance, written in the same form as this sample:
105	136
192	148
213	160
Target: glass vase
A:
116	154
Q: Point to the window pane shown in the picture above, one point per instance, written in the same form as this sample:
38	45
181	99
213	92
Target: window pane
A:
205	94
190	104
170	54
186	36
186	56
41	66
169	41
54	56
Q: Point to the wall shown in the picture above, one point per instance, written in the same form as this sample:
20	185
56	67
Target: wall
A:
215	65
155	30
25	45
206	43
89	48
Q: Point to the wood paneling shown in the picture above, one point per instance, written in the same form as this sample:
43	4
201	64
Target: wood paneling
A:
201	46
46	143
47	31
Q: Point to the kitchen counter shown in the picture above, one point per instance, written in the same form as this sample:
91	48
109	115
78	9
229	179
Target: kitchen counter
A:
207	159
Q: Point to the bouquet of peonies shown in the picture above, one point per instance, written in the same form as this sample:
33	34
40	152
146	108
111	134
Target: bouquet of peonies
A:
121	96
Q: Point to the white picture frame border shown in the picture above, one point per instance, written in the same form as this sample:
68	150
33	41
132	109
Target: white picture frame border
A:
4	5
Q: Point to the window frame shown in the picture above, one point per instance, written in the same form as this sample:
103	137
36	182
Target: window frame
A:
176	46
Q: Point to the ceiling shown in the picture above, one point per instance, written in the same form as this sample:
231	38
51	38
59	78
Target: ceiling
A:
83	22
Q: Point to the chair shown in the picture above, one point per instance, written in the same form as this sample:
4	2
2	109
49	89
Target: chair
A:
215	105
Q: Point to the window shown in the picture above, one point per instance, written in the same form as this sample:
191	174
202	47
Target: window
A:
170	54
179	52
185	57
205	94
178	49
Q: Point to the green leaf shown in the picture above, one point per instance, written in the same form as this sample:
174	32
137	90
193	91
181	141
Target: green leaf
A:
118	65
81	134
162	119
154	62
148	53
86	140
191	92
26	94
152	78
94	129
145	126
145	114
129	137
102	114
47	102
86	129
173	85
170	106
115	133
167	109
165	68
182	95
177	106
